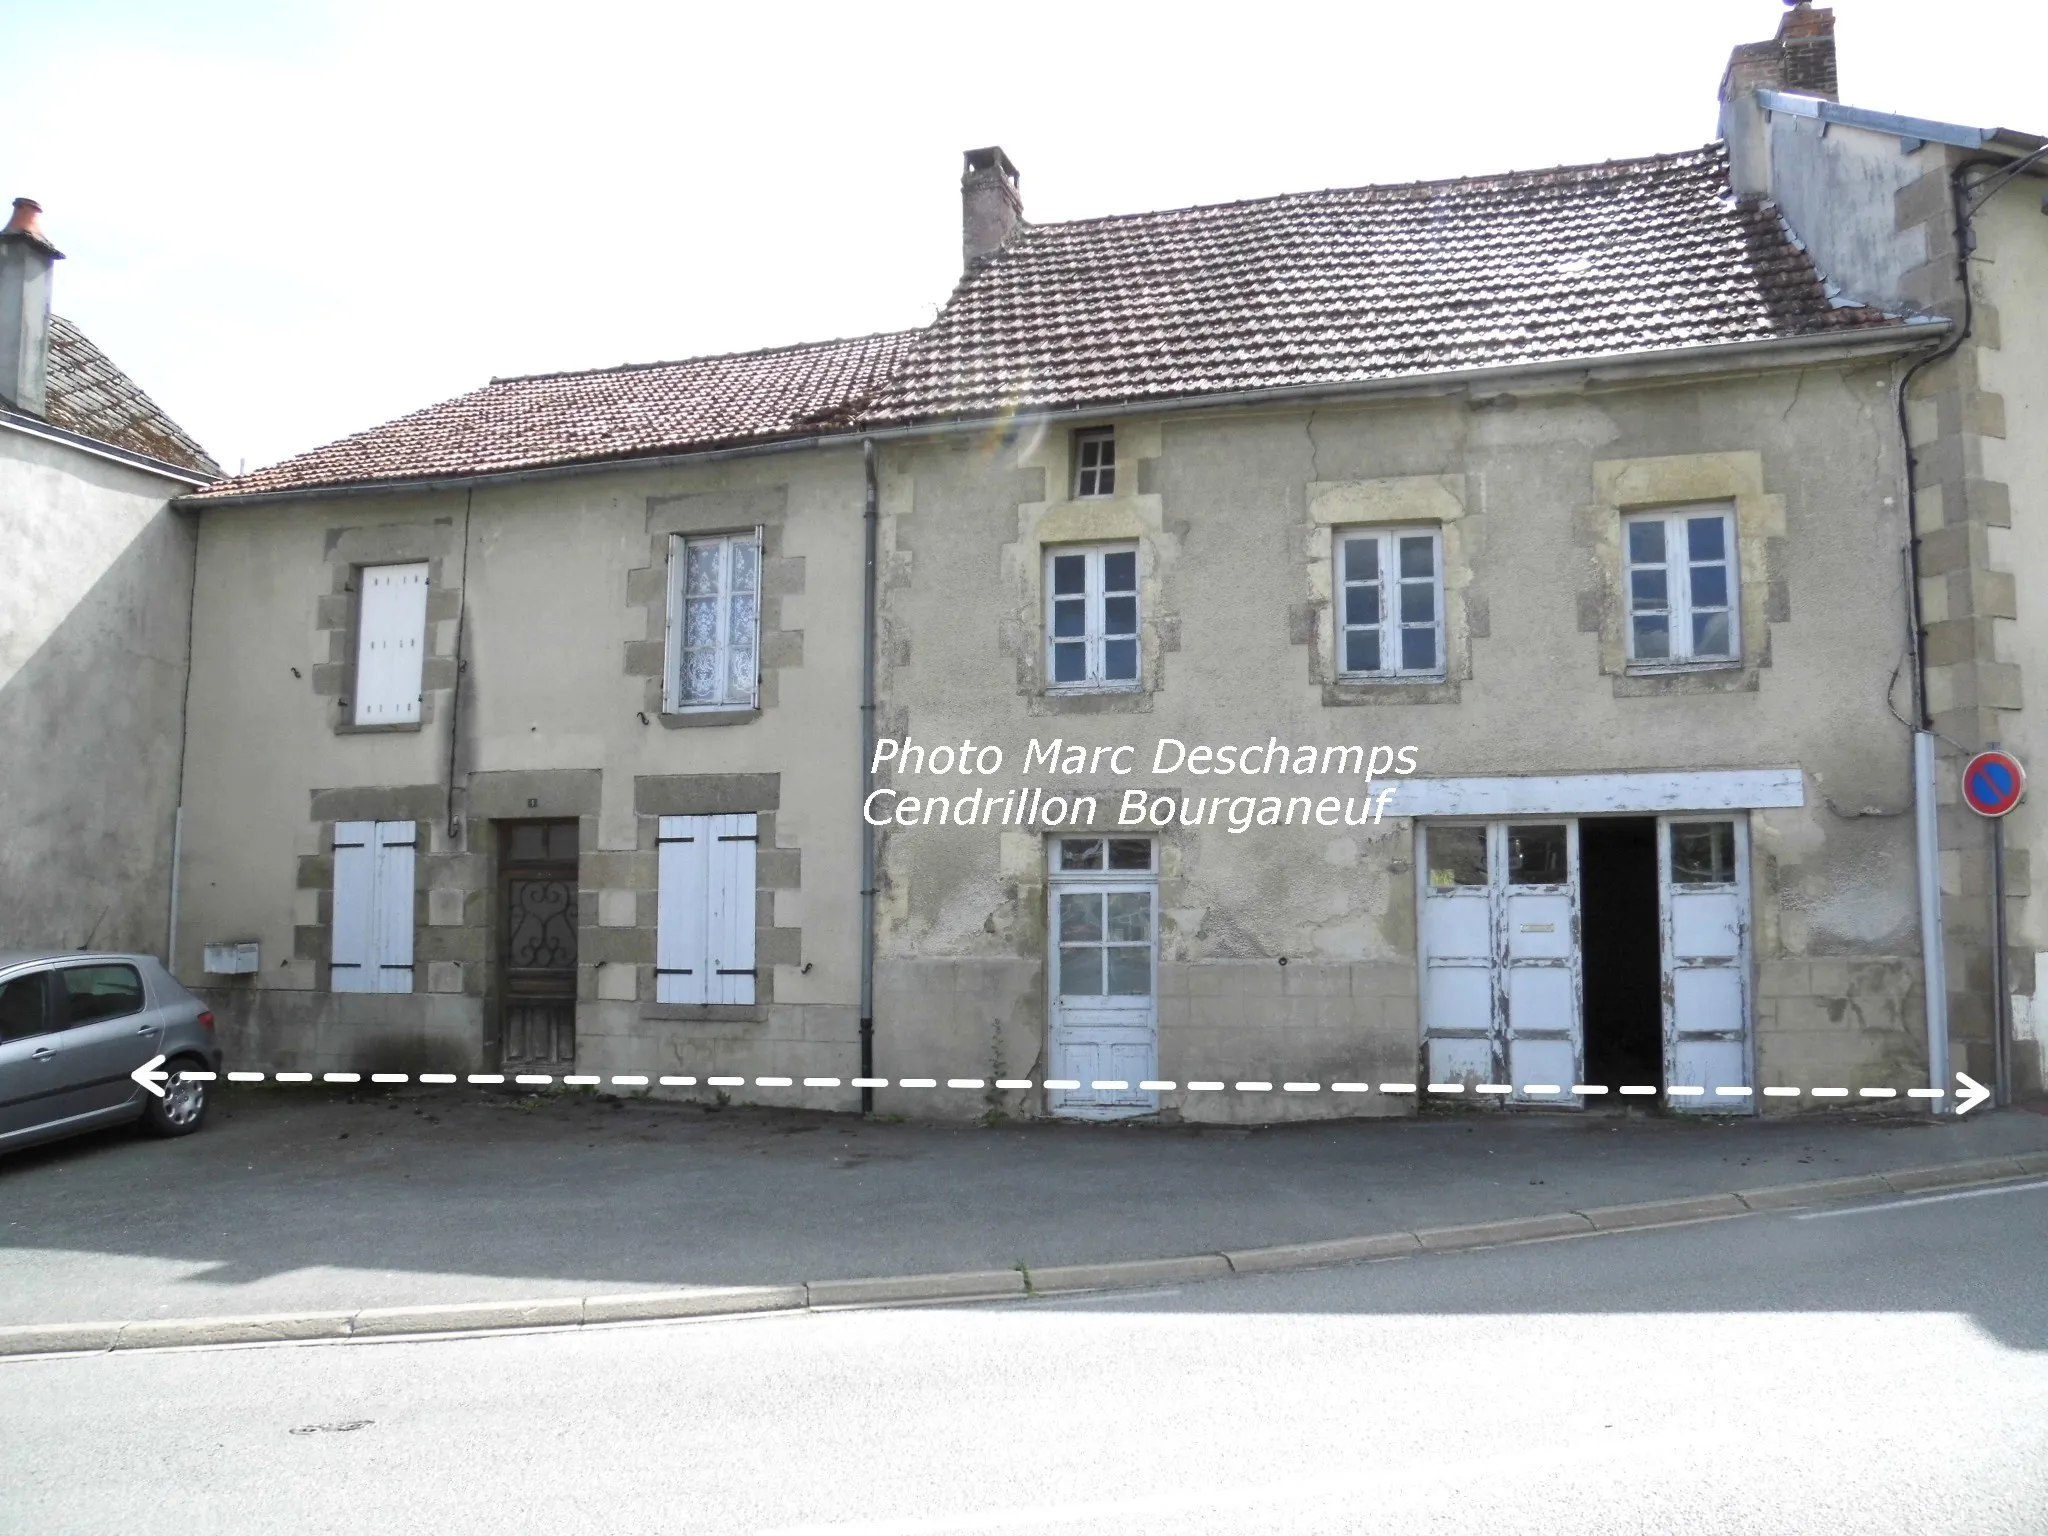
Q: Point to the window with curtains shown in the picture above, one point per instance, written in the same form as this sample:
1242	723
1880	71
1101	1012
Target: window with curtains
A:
714	622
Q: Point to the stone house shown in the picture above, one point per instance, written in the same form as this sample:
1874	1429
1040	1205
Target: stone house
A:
1017	701
95	603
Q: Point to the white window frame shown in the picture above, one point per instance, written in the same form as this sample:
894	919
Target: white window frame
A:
373	906
706	908
1678	575
1387	620
1094	635
391	635
730	698
1093	482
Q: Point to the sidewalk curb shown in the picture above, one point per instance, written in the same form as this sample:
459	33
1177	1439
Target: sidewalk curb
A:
557	1312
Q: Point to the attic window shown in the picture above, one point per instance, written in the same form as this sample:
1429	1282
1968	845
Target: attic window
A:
1095	462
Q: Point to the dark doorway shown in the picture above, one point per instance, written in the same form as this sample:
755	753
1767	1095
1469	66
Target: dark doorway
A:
1622	952
537	943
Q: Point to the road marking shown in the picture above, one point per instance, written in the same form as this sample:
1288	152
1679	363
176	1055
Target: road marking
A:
1894	1205
1970	1094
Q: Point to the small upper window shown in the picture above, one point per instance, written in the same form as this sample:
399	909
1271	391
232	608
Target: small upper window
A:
1091	623
1095	462
1681	587
1111	854
714	619
1392	607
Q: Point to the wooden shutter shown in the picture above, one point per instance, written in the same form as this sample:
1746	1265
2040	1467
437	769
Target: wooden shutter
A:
704	944
390	644
355	899
681	963
394	909
733	841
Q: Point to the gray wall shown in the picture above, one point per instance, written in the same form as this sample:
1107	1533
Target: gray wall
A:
1232	513
95	595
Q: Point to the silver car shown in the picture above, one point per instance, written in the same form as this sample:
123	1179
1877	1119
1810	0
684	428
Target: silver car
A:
74	1031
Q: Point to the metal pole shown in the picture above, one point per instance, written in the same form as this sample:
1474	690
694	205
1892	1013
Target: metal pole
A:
1933	957
870	617
2001	991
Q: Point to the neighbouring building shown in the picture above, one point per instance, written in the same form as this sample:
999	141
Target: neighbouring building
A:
525	730
1650	528
95	602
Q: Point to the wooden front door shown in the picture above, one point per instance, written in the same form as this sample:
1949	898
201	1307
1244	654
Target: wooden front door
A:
537	944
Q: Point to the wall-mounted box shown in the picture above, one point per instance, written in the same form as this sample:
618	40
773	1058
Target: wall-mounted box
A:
237	958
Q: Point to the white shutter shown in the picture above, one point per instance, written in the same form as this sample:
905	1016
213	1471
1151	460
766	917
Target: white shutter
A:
672	648
681	964
394	909
390	644
355	902
733	841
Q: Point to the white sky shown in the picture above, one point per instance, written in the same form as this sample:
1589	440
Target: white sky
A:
289	221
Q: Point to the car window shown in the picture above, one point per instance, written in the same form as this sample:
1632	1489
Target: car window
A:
23	1011
93	992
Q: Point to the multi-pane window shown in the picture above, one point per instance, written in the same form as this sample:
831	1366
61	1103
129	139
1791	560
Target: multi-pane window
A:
1681	587
1095	462
1391	603
714	612
1091	595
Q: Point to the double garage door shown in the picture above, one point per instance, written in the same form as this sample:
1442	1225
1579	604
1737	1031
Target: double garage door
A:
1503	981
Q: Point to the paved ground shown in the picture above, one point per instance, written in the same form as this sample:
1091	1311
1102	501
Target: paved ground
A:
299	1198
1880	1370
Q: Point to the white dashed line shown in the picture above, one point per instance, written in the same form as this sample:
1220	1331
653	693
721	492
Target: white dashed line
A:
1098	1085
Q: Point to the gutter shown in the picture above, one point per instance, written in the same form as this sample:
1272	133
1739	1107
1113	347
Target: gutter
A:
870	604
1601	367
29	427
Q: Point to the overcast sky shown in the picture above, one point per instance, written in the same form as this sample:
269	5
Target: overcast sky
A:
290	221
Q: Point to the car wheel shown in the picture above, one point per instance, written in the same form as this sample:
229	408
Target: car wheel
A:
182	1109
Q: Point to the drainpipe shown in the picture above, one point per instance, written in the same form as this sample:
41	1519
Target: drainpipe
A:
869	618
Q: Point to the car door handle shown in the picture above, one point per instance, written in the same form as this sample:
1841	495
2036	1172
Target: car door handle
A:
43	1053
145	1029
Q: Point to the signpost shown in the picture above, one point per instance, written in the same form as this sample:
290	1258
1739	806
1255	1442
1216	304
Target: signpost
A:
1993	783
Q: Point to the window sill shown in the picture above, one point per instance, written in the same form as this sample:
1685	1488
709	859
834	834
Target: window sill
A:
714	714
1682	668
1389	690
350	728
1091	701
1664	682
704	1013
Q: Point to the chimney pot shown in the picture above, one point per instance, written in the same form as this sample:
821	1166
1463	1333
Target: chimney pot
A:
991	207
26	257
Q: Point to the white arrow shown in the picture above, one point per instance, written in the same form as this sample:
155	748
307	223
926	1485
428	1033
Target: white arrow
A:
1974	1093
148	1075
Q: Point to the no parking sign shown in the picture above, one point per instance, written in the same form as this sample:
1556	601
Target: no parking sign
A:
1993	783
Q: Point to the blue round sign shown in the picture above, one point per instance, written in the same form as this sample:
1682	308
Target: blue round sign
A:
1993	783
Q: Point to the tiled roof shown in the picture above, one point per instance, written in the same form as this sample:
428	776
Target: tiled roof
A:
86	394
611	413
1366	284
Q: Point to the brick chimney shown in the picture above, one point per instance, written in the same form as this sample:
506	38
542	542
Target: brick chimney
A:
991	207
1800	58
26	257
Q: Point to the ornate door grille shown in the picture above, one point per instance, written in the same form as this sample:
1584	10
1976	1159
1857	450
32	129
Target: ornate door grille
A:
537	951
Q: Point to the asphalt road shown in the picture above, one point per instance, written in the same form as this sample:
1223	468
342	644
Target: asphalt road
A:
306	1199
1874	1369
